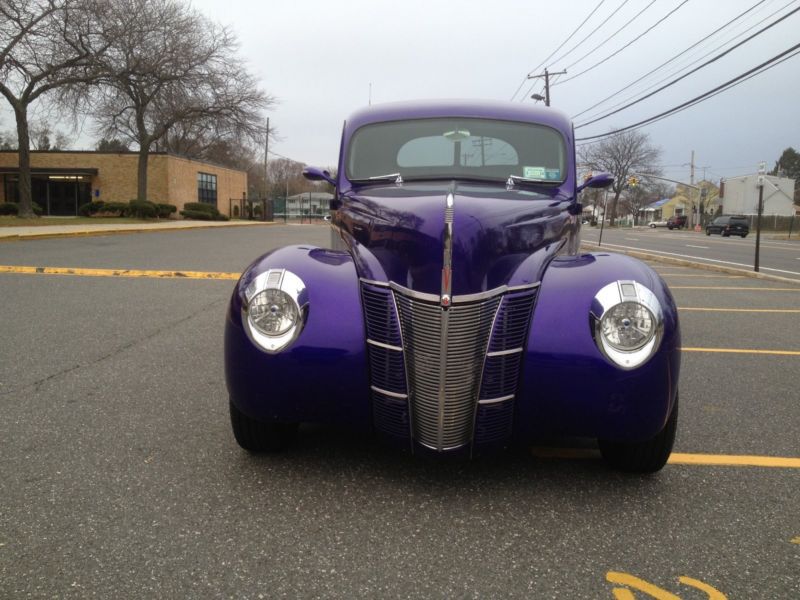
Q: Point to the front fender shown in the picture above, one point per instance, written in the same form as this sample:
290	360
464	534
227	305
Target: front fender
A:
322	375
568	387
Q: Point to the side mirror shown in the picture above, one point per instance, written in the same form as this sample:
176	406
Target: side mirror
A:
598	180
317	174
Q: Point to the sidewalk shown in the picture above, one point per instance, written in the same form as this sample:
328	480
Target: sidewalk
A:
83	229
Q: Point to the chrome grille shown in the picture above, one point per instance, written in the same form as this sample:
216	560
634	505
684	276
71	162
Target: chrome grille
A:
444	353
447	376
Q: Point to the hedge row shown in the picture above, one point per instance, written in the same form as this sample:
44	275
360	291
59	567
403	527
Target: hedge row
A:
12	208
143	209
202	212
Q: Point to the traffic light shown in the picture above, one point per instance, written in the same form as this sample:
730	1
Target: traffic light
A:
633	181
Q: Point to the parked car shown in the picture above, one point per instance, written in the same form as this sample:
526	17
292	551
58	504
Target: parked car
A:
728	225
676	222
654	224
454	313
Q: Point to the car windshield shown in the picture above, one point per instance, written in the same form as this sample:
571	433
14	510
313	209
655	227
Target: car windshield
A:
457	148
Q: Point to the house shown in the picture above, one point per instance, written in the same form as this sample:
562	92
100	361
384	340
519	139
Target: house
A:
62	181
739	195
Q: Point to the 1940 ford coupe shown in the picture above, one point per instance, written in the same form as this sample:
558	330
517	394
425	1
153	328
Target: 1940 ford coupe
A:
454	312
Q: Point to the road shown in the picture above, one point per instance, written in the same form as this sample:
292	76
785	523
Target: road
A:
119	476
777	257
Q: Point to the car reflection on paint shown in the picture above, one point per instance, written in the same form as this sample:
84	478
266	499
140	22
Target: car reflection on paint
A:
454	313
654	224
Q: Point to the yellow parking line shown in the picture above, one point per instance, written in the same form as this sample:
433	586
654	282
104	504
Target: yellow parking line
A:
741	310
702	275
743	351
118	273
733	460
682	458
725	287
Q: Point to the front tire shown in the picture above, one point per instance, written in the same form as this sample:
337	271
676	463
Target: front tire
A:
260	436
648	456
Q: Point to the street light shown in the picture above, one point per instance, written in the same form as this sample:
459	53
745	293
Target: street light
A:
538	97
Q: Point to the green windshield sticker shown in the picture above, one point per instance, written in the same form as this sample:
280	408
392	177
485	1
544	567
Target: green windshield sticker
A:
553	174
534	172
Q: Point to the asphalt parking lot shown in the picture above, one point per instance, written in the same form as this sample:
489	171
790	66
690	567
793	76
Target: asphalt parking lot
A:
119	476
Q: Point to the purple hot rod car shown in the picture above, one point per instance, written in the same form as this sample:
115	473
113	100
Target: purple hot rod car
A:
454	312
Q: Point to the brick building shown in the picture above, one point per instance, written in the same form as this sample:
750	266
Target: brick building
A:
64	180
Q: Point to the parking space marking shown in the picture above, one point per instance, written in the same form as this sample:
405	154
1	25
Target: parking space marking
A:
702	275
741	310
681	458
24	270
743	351
701	247
653	591
734	288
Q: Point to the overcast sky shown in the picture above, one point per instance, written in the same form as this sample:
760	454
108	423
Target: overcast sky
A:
318	59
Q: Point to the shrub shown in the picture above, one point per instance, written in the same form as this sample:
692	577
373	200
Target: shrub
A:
8	208
91	208
198	215
114	209
141	209
202	207
37	210
166	210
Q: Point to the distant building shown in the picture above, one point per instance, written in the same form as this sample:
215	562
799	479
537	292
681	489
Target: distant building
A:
308	203
62	181
739	195
663	209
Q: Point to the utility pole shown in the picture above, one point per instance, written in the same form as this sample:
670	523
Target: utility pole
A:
546	76
266	154
762	170
691	181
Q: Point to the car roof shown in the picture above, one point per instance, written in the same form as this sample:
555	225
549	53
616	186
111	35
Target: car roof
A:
487	109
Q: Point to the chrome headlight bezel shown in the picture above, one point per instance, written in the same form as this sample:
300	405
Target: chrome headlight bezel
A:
294	290
609	298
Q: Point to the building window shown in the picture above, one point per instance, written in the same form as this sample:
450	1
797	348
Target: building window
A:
207	188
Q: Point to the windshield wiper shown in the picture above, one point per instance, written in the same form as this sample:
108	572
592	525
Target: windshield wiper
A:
396	177
515	179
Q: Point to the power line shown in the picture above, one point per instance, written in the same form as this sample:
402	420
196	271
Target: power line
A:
609	38
534	69
757	70
628	86
685	75
575	47
637	38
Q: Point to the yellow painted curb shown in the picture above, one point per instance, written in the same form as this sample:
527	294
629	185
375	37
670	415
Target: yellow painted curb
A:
743	351
91	232
134	273
682	458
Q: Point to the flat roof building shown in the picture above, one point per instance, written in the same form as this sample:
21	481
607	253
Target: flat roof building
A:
62	181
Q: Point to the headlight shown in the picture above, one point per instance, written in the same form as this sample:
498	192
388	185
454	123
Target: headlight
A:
274	310
627	323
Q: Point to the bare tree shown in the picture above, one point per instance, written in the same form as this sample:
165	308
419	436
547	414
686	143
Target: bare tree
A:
168	69
621	155
43	136
112	145
45	45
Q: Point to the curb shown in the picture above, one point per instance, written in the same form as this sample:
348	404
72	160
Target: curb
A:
696	265
91	232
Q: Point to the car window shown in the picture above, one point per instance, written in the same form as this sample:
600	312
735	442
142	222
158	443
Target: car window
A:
457	147
720	220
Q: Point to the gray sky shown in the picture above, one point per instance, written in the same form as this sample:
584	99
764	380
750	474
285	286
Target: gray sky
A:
319	58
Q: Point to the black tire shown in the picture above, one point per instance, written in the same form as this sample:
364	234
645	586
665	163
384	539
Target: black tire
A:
744	235
652	226
261	436
648	456
708	232
726	235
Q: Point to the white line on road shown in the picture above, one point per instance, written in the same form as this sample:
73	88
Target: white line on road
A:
632	239
700	258
701	247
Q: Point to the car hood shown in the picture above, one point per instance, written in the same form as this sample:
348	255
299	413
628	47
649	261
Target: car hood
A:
499	236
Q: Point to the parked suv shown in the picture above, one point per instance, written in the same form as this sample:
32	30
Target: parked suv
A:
676	222
729	225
